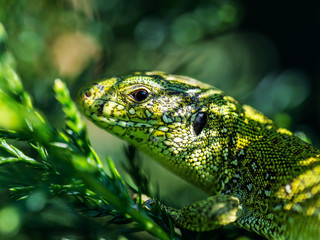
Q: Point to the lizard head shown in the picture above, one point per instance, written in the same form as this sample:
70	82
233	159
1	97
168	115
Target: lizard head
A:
166	116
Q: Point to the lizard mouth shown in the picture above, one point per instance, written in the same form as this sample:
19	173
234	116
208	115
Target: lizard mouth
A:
123	123
107	113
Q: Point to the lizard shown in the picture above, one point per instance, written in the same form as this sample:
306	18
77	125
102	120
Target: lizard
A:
258	176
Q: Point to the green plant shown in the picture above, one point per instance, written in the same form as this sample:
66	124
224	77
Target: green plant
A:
64	191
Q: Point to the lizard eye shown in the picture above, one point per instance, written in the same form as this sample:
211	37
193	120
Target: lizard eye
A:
199	122
139	95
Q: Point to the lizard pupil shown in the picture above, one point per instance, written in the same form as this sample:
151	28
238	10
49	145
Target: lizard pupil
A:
140	95
199	122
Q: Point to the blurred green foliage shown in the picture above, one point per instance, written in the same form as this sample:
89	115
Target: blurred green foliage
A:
82	40
60	189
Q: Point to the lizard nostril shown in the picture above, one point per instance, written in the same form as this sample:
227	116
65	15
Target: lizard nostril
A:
88	93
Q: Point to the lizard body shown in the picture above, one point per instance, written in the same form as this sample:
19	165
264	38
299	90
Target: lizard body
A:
259	176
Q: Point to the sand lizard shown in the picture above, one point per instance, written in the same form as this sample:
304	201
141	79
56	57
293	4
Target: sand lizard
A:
259	176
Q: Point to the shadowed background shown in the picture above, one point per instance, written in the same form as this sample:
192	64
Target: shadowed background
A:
264	53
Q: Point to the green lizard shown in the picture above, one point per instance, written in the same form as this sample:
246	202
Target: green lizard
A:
259	176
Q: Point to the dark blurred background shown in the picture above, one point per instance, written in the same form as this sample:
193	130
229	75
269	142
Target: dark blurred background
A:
264	53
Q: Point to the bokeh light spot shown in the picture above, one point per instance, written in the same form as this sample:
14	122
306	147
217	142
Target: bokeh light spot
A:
73	51
228	13
186	30
30	46
209	18
149	33
282	92
9	220
36	201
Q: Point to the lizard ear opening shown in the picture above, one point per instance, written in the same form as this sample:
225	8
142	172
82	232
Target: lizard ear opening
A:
199	122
